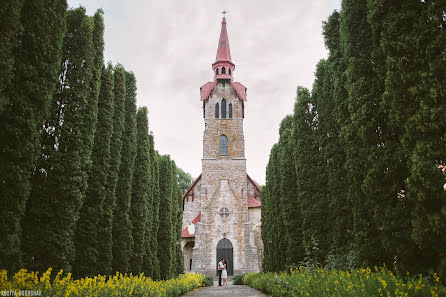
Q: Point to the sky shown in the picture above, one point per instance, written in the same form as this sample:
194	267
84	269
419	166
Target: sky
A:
171	45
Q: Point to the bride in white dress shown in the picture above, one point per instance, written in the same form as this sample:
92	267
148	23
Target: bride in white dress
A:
224	273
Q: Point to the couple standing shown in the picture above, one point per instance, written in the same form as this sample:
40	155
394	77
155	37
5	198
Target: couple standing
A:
222	272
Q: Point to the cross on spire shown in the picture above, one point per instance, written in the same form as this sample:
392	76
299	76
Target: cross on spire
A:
224	12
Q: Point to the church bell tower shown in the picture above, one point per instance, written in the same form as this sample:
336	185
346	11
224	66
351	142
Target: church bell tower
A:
228	200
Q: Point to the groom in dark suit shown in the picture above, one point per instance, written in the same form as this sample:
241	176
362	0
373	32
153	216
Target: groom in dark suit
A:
220	268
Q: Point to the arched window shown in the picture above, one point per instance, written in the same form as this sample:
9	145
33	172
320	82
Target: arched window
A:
223	109
223	145
230	110
216	71
217	111
229	71
223	70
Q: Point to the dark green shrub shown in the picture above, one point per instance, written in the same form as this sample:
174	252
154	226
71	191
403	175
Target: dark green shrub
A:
208	281
238	279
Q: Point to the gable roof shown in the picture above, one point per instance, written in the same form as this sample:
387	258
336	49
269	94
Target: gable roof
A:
253	202
206	90
254	183
192	186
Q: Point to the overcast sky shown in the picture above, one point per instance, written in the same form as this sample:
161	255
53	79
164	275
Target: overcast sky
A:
170	46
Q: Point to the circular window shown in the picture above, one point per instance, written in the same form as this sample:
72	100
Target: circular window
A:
224	213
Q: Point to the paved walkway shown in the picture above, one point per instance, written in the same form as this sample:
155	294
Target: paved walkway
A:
225	291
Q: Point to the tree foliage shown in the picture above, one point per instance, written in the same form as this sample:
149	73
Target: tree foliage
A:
122	226
60	180
31	37
81	184
368	145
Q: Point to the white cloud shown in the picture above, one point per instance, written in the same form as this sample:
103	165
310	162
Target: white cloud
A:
170	46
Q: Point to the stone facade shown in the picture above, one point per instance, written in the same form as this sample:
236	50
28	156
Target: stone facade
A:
223	202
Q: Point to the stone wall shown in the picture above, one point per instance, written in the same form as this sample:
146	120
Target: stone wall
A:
192	206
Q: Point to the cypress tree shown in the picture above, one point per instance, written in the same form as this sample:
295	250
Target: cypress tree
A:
364	134
154	269
407	32
87	227
140	192
174	214
29	66
307	168
266	218
426	134
122	227
165	239
334	120
274	212
332	179
149	252
60	182
104	262
179	221
290	210
11	28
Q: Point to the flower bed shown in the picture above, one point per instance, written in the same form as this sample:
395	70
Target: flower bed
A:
28	283
360	282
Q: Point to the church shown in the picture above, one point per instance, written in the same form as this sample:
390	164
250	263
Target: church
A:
221	217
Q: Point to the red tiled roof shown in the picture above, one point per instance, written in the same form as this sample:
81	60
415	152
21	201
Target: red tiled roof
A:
185	233
240	90
253	202
207	88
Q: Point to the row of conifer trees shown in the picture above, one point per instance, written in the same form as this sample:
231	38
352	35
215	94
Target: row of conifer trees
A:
82	187
357	177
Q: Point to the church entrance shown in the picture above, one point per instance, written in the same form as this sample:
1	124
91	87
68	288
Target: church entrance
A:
224	250
187	252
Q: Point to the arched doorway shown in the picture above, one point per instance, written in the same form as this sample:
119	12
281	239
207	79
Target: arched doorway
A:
224	250
187	252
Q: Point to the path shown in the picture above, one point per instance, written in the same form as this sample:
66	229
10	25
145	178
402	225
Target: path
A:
225	291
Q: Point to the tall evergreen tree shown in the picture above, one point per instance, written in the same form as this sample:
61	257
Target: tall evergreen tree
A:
426	134
333	176
274	212
122	227
10	30
179	269
153	226
87	228
175	212
308	166
333	121
140	192
385	181
291	243
148	262
165	239
365	130
266	218
61	178
105	255
31	37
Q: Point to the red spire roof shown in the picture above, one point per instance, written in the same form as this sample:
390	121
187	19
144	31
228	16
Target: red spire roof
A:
223	52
